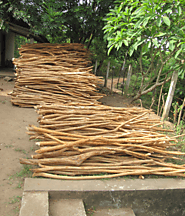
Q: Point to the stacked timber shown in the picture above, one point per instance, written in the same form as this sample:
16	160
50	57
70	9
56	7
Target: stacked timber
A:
79	141
50	73
79	137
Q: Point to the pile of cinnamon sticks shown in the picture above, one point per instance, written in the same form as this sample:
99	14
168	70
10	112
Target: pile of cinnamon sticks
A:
79	141
78	137
54	73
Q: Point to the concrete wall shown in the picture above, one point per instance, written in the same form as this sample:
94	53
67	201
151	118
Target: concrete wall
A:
9	46
6	48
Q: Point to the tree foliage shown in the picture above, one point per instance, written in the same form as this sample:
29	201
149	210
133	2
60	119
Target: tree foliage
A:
155	30
60	21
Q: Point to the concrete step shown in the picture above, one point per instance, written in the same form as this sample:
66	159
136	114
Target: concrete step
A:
38	204
34	203
66	207
146	197
114	212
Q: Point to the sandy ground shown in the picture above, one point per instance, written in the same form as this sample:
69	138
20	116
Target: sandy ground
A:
14	144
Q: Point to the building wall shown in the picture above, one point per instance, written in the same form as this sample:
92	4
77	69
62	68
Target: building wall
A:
9	46
6	48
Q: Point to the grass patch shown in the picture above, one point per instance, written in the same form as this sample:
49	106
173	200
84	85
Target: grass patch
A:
25	172
19	186
20	150
15	199
16	210
8	146
91	211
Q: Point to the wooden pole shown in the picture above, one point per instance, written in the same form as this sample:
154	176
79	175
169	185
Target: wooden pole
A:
175	113
123	70
119	77
180	113
107	74
112	81
170	95
95	68
159	101
128	79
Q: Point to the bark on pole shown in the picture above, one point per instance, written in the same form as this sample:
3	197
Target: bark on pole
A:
95	68
170	95
123	72
112	81
129	74
107	74
180	113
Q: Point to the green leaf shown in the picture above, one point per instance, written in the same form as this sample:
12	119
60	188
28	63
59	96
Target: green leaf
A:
159	22
168	11
155	42
138	10
179	10
125	42
149	44
110	48
146	21
171	45
166	20
160	34
177	53
131	50
138	24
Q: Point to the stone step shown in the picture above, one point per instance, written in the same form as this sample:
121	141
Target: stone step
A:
34	203
66	207
114	212
146	197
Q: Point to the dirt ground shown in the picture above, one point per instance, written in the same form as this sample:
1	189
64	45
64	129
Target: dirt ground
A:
15	144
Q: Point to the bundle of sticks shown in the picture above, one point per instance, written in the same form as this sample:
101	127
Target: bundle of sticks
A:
79	141
79	138
53	73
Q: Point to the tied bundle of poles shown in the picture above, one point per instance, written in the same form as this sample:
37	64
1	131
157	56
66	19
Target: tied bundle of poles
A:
79	138
53	73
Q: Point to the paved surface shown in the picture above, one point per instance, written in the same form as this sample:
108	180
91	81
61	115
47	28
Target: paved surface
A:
67	207
34	204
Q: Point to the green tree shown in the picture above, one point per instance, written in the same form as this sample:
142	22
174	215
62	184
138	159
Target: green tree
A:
154	29
73	21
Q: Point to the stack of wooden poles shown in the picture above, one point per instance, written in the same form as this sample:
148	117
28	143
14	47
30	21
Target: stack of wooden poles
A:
79	138
53	73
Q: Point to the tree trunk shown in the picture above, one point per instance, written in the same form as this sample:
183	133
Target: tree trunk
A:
180	113
98	68
95	68
170	95
175	113
140	93
123	71
128	79
159	101
119	75
112	82
107	74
